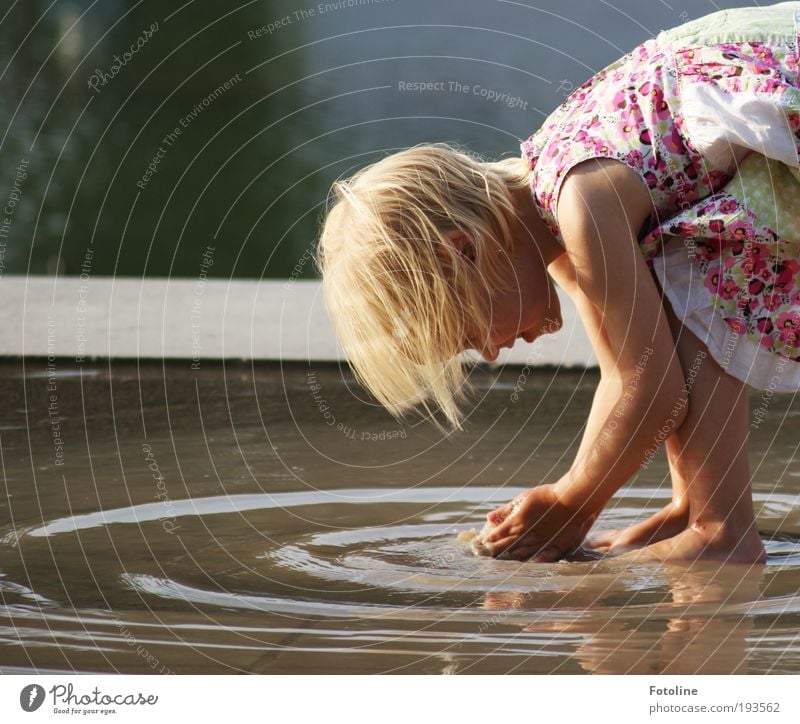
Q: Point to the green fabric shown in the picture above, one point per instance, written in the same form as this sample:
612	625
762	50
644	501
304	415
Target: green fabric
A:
771	190
774	23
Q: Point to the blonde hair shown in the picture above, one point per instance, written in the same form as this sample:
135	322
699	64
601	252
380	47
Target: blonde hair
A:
399	293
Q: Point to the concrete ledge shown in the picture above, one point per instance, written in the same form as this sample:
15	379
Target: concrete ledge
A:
203	319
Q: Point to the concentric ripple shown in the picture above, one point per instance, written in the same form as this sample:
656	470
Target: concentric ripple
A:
255	582
353	552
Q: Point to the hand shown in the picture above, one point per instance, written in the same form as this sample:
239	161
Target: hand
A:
537	523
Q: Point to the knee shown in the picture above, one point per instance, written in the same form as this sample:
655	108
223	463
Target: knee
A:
680	409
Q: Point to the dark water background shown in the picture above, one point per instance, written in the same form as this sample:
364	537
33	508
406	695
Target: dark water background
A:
314	97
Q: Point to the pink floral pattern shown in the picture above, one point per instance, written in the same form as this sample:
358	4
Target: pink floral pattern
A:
752	274
630	111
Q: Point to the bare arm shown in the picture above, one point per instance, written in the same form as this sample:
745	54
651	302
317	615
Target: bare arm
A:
565	276
609	388
601	207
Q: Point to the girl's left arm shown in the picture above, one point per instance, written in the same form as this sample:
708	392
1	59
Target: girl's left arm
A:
601	208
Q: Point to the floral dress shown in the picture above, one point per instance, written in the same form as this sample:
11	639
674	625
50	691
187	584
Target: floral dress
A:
708	114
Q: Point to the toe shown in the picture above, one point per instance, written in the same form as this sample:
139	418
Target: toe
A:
602	539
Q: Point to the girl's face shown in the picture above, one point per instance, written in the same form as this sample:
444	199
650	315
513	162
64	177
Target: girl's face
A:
529	310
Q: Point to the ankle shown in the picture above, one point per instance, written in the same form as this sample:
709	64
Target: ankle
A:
728	532
679	505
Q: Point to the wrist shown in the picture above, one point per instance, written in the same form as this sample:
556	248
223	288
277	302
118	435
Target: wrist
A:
575	497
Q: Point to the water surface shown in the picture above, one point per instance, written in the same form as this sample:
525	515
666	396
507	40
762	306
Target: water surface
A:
269	519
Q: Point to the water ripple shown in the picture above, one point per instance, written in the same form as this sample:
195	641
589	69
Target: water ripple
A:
358	559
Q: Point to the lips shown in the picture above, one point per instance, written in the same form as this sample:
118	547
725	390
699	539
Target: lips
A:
551	326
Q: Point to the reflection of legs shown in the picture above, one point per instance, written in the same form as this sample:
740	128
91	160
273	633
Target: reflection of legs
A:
711	636
711	457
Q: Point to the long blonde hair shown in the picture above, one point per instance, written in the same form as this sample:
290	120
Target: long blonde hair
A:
399	293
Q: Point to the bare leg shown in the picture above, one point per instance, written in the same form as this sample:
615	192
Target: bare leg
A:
712	459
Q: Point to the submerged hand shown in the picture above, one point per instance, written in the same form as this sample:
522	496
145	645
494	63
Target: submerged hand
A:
537	524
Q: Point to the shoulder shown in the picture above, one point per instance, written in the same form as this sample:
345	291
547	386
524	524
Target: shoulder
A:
597	188
600	212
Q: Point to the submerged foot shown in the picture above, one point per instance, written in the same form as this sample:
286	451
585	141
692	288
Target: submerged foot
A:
664	524
712	543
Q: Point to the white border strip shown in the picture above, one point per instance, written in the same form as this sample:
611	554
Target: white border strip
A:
203	319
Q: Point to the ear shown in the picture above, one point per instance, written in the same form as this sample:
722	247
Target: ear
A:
462	243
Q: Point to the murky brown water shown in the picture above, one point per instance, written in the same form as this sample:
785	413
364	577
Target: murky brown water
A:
269	520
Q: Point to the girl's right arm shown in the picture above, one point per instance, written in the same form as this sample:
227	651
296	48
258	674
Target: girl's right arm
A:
609	388
600	211
564	275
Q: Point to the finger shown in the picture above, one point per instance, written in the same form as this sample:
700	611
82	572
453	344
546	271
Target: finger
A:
549	554
512	526
504	544
499	533
520	553
499	515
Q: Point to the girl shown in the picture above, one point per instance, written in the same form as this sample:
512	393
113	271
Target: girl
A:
662	196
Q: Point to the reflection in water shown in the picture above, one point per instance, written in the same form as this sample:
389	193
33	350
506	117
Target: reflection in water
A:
178	541
607	616
702	631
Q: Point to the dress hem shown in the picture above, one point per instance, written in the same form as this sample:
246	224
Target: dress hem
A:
736	353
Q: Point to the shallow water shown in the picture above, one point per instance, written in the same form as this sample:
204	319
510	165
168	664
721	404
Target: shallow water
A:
269	519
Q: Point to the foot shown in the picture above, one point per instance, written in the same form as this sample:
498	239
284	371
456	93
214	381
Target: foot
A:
666	523
712	543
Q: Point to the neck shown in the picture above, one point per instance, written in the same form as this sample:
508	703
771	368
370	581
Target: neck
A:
532	227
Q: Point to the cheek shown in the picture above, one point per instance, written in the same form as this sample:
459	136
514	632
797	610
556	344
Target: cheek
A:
540	301
514	320
534	308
